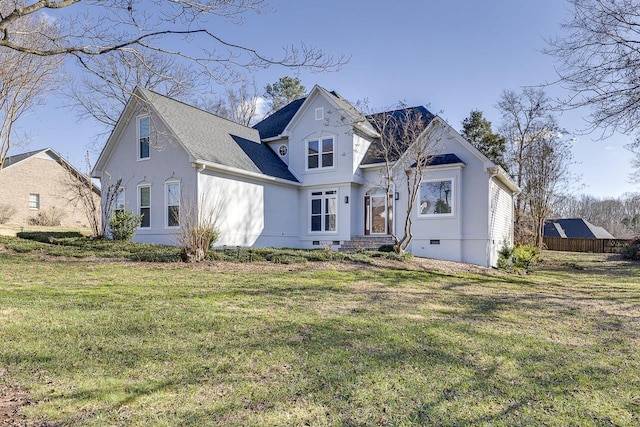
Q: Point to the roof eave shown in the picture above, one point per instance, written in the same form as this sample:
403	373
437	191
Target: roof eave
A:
241	172
504	177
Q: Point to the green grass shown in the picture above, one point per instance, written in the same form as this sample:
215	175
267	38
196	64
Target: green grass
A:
121	343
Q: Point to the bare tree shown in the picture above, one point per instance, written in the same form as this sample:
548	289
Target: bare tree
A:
546	179
238	105
408	137
619	216
599	61
82	192
526	121
90	28
109	200
24	79
103	94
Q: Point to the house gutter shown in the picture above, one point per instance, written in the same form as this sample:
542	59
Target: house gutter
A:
276	138
497	171
201	165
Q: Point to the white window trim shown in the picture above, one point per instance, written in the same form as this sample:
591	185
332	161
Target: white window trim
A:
286	150
453	200
166	204
306	154
140	205
37	201
138	119
322	197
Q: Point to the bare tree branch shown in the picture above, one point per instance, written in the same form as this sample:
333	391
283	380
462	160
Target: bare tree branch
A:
599	62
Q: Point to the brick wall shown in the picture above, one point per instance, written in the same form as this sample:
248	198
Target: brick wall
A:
39	174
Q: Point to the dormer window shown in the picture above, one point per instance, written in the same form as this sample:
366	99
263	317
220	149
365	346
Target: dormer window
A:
320	153
144	131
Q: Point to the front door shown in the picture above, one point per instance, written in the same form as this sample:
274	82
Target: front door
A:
377	213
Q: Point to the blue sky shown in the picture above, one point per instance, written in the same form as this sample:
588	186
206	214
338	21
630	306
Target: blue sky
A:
451	55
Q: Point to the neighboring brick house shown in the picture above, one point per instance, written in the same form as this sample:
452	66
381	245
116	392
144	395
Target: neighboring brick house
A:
37	182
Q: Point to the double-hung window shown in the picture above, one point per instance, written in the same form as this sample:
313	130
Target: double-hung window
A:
34	201
320	153
324	210
144	199
144	132
173	204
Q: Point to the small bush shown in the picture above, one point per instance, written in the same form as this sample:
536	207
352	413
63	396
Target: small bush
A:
6	212
519	258
386	248
505	257
525	257
123	224
50	217
632	250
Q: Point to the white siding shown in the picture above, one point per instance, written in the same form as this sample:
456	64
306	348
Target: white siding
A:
500	218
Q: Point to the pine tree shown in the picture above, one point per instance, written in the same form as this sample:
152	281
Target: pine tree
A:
282	92
477	130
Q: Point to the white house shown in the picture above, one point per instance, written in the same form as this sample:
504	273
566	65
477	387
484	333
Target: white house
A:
307	176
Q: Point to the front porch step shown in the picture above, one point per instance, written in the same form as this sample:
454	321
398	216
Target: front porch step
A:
363	243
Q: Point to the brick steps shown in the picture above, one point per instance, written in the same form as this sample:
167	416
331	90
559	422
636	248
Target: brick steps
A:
360	243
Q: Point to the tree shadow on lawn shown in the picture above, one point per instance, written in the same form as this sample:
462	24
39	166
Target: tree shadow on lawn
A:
372	360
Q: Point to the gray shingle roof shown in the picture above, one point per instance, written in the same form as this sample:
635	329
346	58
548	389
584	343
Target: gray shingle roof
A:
11	160
575	228
275	124
211	138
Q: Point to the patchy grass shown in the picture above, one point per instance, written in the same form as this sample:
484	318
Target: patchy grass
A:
122	343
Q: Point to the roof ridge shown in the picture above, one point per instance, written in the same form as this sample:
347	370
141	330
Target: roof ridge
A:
193	106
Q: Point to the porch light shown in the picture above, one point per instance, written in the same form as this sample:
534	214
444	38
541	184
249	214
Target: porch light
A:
396	196
346	200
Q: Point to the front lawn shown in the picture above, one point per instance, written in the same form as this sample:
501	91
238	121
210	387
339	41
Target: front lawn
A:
129	343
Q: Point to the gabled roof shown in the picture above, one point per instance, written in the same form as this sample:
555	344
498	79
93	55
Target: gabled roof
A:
575	228
399	118
276	124
212	139
14	160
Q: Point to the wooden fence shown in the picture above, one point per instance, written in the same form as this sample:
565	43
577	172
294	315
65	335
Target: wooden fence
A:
608	246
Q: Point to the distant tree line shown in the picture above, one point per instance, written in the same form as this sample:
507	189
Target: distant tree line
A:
619	216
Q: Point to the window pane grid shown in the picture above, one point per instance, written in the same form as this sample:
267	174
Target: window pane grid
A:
145	206
173	205
320	153
324	209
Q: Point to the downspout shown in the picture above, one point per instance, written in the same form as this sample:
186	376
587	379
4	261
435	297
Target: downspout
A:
494	171
199	170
